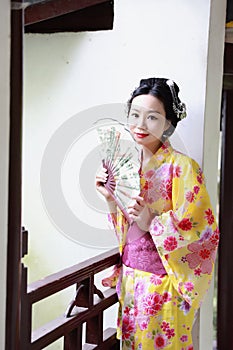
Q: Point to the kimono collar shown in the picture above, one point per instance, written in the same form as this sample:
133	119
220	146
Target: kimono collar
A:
159	157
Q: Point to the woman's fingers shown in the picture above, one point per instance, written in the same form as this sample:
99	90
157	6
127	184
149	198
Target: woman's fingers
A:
100	179
136	207
140	200
133	217
102	176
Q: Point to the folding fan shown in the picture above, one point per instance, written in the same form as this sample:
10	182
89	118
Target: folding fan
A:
120	157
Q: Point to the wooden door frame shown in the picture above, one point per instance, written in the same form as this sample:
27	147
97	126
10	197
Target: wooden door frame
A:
51	9
225	264
15	180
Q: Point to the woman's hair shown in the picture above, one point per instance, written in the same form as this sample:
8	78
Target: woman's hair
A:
160	88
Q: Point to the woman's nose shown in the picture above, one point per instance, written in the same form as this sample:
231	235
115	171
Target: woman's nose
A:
141	122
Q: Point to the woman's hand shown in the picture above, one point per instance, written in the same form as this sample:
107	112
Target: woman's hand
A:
100	179
140	213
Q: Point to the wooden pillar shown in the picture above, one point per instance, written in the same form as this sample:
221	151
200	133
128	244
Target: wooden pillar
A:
225	280
14	204
73	340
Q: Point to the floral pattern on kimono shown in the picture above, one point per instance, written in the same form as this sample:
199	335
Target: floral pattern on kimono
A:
186	236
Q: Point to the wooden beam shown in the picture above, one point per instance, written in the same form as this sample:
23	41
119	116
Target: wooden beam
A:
96	17
53	8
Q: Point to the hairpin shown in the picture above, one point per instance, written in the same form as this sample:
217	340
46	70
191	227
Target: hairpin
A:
179	108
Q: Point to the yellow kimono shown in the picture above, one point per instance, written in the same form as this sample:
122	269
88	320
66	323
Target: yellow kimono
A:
157	311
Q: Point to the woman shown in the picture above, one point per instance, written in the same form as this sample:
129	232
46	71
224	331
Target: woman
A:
168	253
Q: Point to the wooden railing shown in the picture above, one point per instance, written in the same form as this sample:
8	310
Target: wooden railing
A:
83	309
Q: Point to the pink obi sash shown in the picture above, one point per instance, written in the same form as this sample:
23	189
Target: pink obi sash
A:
140	252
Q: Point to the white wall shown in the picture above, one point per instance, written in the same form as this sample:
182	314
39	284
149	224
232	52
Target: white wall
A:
4	153
68	73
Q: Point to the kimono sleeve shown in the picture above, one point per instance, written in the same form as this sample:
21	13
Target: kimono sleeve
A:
120	226
187	236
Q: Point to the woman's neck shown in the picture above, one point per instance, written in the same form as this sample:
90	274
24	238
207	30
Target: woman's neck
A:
147	153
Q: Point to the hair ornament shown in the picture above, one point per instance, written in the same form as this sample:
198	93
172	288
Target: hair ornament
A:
179	108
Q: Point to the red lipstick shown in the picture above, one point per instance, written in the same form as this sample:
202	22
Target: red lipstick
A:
139	135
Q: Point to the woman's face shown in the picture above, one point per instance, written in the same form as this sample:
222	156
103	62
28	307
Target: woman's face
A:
147	121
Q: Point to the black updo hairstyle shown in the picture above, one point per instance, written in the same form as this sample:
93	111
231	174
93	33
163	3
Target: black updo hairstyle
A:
159	88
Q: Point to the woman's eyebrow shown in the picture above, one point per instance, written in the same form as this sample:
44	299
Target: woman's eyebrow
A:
147	110
135	109
153	111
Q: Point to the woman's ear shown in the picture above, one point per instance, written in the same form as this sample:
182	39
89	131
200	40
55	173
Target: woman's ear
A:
167	125
168	129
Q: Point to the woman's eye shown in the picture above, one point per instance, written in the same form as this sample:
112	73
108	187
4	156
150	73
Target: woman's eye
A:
134	115
152	117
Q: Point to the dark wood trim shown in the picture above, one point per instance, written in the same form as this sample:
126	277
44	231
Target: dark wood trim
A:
228	81
15	174
56	329
91	18
228	62
85	308
53	8
225	280
17	323
63	279
229	11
